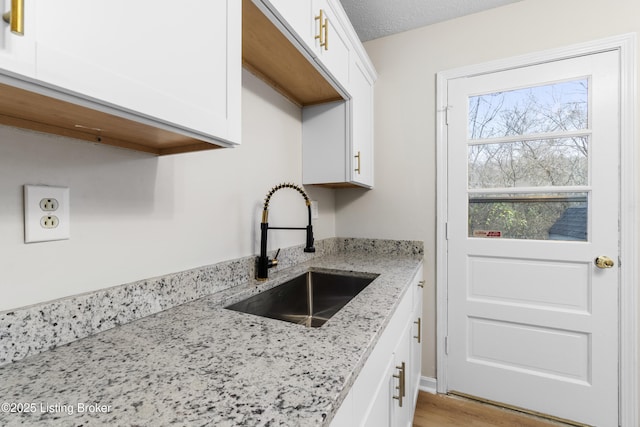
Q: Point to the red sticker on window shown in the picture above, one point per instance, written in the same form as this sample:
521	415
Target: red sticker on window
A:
487	233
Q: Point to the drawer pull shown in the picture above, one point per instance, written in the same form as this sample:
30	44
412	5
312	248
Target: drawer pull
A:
15	17
419	323
402	392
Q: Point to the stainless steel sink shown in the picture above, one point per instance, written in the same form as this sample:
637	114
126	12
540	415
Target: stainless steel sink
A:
309	299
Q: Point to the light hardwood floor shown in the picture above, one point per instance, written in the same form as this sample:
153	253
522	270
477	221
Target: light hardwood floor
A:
449	411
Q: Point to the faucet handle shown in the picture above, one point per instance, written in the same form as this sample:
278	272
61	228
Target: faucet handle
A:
274	261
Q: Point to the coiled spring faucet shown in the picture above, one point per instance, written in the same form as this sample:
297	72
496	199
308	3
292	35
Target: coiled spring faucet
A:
263	263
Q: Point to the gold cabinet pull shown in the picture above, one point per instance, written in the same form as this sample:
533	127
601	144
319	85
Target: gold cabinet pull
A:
322	29
357	156
403	380
401	384
421	284
15	17
326	33
419	323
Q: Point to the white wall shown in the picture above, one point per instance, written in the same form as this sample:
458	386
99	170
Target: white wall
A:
135	216
404	201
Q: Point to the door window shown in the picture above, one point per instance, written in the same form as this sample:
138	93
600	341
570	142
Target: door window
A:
528	162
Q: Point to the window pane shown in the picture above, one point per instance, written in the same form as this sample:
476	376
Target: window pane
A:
536	217
540	109
547	162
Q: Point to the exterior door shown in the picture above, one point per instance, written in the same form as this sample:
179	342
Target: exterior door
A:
533	201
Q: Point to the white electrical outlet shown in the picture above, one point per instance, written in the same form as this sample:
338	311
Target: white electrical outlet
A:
49	204
46	213
314	209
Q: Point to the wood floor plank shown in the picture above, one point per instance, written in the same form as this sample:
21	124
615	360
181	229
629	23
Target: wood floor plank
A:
437	410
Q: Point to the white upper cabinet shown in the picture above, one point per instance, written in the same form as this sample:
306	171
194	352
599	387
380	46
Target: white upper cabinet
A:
337	132
175	65
337	137
361	88
170	61
297	15
316	25
330	41
17	51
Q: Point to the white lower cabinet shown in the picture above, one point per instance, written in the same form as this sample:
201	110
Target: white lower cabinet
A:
384	393
416	342
401	408
379	410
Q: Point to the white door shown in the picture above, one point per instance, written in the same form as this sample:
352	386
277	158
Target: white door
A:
533	200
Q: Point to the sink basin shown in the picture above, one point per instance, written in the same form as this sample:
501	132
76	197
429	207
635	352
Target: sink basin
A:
309	299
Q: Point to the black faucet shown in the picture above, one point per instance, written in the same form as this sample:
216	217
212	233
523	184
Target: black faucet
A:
263	263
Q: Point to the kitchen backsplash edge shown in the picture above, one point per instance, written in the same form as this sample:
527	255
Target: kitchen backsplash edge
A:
33	329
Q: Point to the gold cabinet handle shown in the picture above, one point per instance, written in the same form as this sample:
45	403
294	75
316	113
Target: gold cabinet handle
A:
603	262
419	323
322	29
357	156
401	384
403	380
326	33
15	17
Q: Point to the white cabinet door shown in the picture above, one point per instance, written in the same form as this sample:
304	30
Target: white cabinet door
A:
374	399
402	407
17	52
361	88
178	63
297	15
378	413
331	45
315	24
413	375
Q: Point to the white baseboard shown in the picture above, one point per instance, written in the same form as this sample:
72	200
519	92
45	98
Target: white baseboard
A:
428	384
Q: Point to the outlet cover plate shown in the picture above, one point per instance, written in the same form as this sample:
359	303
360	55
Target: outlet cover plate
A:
34	231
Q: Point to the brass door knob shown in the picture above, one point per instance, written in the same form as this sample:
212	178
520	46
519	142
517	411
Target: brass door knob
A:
603	262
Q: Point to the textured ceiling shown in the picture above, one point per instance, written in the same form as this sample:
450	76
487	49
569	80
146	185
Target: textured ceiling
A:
378	18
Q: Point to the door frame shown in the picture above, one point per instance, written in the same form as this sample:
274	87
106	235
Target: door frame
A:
628	380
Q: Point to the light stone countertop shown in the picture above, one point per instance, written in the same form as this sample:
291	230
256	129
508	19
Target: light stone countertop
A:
200	364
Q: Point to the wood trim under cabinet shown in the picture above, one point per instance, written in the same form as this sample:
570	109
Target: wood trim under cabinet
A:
29	110
337	185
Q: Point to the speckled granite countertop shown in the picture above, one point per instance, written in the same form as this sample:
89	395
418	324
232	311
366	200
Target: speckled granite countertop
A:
200	364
